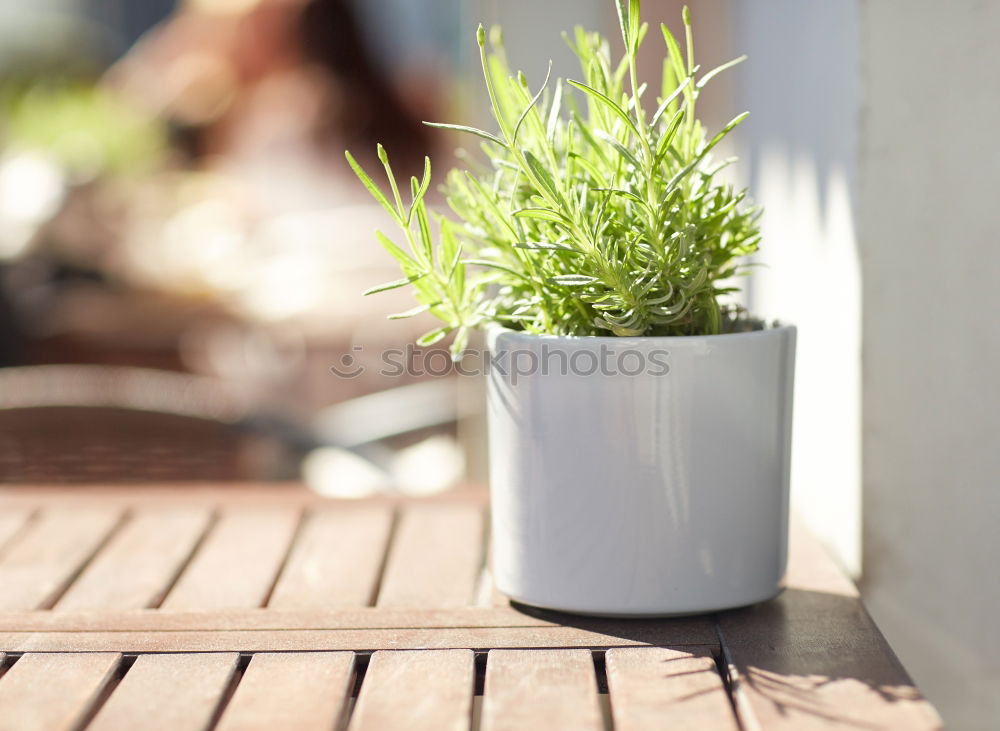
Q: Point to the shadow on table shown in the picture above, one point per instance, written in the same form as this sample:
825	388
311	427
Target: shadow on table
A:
804	654
819	654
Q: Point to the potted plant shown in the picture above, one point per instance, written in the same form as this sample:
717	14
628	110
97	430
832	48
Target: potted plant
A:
639	428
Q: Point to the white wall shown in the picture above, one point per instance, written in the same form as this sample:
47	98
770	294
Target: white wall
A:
930	244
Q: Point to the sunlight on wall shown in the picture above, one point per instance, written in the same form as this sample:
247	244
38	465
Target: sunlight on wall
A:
800	150
811	279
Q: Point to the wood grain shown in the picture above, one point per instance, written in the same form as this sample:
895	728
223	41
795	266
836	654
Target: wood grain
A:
336	560
53	692
435	558
428	690
238	561
291	692
651	686
140	562
547	690
43	559
168	693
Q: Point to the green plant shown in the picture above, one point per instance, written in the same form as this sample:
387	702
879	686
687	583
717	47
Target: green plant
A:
87	130
592	217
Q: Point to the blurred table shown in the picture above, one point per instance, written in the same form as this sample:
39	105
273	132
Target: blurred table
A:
260	608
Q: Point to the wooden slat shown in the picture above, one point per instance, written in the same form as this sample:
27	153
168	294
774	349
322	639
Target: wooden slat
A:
12	520
140	562
541	689
238	561
53	692
814	659
349	629
303	640
168	693
684	630
36	568
435	558
429	690
336	560
291	692
650	686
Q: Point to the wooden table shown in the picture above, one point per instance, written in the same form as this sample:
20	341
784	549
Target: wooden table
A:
266	608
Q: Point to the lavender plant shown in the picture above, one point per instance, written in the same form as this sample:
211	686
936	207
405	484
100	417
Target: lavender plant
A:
594	215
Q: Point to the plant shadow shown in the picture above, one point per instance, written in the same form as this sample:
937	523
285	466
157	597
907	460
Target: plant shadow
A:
802	657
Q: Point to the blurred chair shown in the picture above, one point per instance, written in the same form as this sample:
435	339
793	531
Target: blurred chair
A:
74	423
99	424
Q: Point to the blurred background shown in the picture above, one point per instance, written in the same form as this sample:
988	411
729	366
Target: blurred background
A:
183	248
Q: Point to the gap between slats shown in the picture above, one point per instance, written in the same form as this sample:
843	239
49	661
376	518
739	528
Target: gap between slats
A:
238	561
42	560
435	558
138	565
645	689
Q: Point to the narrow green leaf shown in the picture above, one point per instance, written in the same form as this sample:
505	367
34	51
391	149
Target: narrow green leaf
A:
449	243
394	285
419	309
425	245
454	265
624	194
471	130
419	191
633	25
667	138
531	105
494	265
460	343
718	70
622	150
674	52
397	253
372	188
643	29
384	157
544	214
542	176
686	170
573	280
542	246
434	336
722	133
609	103
666	103
554	110
588	165
624	22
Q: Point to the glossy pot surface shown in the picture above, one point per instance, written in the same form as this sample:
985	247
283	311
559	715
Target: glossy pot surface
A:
640	476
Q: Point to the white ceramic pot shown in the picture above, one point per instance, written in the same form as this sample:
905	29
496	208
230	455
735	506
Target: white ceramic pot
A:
640	476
